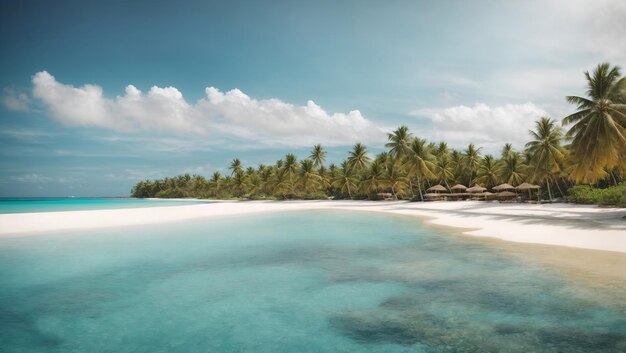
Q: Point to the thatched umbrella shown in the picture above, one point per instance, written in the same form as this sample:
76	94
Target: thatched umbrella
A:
436	188
506	195
489	195
527	187
476	189
503	187
459	187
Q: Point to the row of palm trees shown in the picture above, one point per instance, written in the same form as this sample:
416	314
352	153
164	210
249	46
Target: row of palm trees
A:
592	151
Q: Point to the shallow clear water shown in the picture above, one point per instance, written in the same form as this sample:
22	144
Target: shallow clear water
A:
55	204
290	282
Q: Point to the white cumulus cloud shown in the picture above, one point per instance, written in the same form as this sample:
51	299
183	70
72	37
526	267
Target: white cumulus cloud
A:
486	126
230	113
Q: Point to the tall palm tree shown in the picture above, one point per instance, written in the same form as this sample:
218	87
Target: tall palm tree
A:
358	158
598	132
399	141
419	163
488	172
472	161
318	156
546	151
290	166
235	166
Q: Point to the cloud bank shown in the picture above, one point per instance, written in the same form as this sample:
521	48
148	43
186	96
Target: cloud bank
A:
231	113
486	126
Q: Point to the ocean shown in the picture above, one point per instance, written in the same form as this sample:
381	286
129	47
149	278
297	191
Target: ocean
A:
316	281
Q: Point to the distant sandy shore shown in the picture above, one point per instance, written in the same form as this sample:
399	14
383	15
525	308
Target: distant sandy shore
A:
577	226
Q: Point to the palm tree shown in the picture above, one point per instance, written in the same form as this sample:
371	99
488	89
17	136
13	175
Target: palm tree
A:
507	150
383	157
444	170
235	166
318	156
282	184
399	141
266	176
472	161
442	148
345	180
488	172
200	186
325	177
239	183
546	151
290	166
307	178
357	158
457	165
396	178
511	170
374	178
419	163
599	132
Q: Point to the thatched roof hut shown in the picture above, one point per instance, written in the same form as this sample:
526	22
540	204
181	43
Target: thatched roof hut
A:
476	189
527	186
458	188
437	188
503	187
506	195
433	197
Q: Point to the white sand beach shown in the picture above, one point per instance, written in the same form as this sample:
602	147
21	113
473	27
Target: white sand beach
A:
577	226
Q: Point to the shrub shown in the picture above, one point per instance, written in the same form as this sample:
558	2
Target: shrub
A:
585	194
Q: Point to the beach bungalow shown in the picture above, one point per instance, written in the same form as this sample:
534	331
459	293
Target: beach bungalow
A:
526	187
477	192
433	197
435	193
458	193
506	196
504	187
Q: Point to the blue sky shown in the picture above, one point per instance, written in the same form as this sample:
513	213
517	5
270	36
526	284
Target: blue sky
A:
97	95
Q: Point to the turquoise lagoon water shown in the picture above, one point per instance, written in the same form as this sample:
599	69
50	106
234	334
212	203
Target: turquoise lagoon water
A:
54	204
290	282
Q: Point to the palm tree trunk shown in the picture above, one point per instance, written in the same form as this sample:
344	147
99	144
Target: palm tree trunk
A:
349	193
419	186
559	187
411	187
613	176
549	192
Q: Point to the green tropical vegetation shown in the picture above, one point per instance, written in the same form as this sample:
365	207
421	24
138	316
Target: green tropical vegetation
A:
582	160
